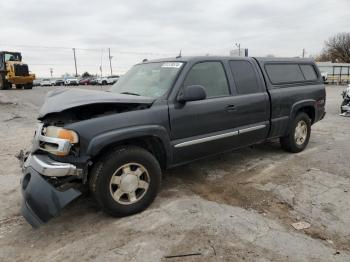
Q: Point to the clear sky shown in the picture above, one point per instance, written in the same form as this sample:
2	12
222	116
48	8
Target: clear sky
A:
46	31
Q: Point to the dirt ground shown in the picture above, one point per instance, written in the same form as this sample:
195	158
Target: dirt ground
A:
234	207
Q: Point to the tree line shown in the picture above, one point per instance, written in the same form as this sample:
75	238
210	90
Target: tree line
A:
336	49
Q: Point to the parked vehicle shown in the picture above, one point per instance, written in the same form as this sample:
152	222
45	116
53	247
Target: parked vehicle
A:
13	71
71	82
45	82
345	105
112	79
36	82
162	114
58	82
93	81
85	81
107	80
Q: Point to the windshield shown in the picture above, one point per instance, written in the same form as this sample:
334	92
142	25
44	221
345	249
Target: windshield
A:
152	79
12	57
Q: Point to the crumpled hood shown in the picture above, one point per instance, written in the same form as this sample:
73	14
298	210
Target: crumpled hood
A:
61	99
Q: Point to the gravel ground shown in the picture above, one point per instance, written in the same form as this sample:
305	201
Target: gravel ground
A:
234	207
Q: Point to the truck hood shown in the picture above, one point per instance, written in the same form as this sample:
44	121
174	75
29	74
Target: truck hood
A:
62	99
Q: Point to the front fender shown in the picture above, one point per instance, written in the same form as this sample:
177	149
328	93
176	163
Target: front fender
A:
101	141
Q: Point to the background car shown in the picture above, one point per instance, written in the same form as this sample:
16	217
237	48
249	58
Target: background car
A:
71	82
107	80
93	81
59	82
85	81
45	82
37	82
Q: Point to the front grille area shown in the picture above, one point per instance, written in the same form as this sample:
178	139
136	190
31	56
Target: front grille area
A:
21	70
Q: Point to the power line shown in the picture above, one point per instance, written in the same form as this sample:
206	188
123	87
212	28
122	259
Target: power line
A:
89	49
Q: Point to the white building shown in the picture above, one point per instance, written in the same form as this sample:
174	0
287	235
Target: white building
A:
337	72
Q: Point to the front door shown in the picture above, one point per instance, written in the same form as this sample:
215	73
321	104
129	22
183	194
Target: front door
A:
200	128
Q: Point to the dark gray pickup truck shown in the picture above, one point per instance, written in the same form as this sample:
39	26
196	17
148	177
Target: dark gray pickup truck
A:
161	114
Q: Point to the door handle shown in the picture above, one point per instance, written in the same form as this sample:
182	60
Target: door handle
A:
231	108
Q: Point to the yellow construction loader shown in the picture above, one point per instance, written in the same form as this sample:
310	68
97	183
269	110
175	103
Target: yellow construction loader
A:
14	72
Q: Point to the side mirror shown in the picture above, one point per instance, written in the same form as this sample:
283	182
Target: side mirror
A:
191	93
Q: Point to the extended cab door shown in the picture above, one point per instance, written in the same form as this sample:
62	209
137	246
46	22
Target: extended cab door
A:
251	101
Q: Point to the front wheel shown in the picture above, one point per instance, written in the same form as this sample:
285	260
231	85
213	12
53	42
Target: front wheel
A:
125	181
298	135
343	104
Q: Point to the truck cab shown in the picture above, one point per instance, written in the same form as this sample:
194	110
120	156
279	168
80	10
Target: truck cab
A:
161	114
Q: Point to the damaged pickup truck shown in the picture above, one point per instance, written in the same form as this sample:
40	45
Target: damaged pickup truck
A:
162	114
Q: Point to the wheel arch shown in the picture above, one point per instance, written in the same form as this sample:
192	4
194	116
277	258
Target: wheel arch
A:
306	106
151	138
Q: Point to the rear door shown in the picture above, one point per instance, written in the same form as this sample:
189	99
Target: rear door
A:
251	101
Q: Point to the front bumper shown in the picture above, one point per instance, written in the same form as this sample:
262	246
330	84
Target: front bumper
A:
42	200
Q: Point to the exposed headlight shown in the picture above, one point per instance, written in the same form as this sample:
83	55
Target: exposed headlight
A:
58	132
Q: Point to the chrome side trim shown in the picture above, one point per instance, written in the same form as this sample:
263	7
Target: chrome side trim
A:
249	129
48	167
211	138
206	139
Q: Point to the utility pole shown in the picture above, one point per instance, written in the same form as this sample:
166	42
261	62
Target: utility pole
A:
51	71
101	62
303	52
239	48
110	60
75	62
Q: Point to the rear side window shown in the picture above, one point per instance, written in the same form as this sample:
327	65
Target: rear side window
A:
290	73
309	72
244	77
284	73
211	76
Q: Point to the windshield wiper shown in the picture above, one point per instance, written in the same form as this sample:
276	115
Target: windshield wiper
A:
130	93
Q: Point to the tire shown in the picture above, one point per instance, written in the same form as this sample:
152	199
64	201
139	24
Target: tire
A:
104	83
125	165
297	140
19	86
343	104
28	86
2	82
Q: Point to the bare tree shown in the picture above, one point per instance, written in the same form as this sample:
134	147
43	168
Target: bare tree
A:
337	49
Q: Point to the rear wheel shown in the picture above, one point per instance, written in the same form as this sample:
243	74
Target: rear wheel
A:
126	181
28	86
299	134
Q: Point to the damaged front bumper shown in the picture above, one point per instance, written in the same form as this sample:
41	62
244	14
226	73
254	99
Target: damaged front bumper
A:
41	199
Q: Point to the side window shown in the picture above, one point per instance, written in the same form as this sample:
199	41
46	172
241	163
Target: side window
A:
284	73
309	72
244	77
211	76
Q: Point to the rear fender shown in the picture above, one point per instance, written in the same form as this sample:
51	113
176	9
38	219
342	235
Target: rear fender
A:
299	105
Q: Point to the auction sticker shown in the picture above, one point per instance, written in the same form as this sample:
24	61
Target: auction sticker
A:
172	65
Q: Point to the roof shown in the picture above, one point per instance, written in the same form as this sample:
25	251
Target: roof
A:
194	58
208	58
283	59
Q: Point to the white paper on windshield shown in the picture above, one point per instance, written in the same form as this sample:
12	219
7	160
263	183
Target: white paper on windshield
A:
172	65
